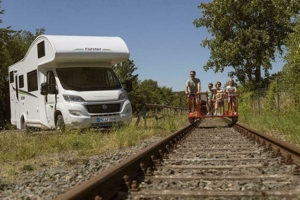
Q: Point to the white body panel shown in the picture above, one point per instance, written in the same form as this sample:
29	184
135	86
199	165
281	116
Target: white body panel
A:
69	54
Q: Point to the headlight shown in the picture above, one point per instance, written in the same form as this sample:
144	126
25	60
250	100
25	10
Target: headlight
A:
123	96
73	98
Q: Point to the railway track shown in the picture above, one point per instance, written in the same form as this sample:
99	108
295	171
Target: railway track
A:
206	160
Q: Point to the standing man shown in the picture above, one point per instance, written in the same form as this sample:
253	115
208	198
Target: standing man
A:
192	90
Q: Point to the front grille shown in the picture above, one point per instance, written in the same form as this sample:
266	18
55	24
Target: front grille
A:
103	108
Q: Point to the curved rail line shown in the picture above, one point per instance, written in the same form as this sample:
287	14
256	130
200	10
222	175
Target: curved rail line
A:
201	161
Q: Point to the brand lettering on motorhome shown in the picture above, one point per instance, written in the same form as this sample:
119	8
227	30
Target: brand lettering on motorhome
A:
92	49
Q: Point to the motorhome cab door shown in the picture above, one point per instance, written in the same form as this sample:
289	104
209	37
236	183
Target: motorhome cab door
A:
50	99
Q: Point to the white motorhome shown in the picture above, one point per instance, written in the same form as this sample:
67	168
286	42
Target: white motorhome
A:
69	81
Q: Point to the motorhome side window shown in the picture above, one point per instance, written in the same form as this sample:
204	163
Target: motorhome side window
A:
32	81
41	49
11	77
21	81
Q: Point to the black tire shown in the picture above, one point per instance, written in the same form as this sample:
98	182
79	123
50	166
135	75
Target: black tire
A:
233	121
23	124
60	124
191	120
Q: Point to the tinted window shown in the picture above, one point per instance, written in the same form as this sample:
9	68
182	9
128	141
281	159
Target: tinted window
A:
32	81
11	77
21	81
41	49
88	78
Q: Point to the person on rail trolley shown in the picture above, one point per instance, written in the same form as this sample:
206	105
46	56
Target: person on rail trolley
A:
231	96
218	96
192	90
210	99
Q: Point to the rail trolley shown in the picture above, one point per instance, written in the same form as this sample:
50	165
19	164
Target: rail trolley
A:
197	103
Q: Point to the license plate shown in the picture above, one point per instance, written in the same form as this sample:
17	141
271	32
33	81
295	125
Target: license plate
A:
106	119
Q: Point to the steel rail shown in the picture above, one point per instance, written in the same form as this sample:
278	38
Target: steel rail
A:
121	176
109	182
290	152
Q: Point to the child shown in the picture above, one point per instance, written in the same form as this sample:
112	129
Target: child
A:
218	97
231	94
210	99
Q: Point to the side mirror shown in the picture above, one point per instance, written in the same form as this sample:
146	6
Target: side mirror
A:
128	86
44	89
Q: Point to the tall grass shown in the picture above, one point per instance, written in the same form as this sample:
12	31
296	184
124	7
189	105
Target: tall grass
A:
17	146
281	123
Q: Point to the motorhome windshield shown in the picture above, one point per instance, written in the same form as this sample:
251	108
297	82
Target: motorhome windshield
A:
88	78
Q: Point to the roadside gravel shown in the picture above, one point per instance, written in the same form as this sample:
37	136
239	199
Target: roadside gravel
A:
51	179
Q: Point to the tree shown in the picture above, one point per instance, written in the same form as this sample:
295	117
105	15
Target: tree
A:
125	72
149	92
13	47
246	35
4	62
291	71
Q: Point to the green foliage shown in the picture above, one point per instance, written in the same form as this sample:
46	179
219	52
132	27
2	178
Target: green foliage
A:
270	99
150	92
146	91
291	71
125	72
246	35
13	46
179	99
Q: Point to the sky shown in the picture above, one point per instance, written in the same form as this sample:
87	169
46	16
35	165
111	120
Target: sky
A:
160	35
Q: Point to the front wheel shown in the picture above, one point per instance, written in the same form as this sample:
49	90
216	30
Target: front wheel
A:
191	120
233	121
60	124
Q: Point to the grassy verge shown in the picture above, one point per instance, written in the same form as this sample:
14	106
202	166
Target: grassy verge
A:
23	151
283	125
